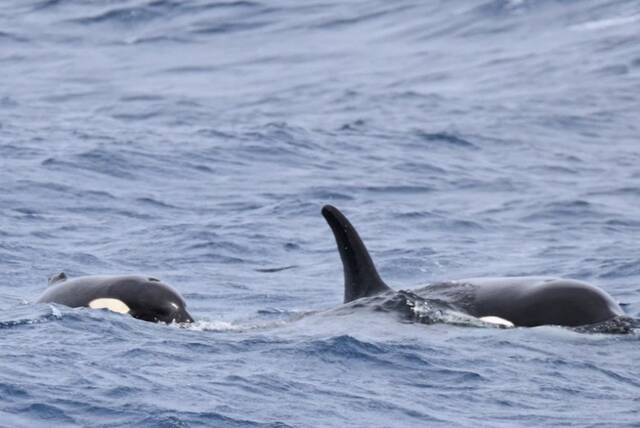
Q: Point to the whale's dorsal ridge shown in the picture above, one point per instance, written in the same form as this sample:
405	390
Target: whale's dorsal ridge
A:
361	279
56	278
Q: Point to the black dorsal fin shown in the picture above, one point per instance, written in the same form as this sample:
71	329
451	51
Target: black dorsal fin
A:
58	277
361	278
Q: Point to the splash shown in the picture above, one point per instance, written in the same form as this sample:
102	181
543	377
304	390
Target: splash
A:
617	325
18	319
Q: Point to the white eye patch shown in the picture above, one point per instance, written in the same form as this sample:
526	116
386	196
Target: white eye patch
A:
114	305
497	320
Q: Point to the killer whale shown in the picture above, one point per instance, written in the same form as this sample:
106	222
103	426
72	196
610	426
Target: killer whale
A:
509	301
144	298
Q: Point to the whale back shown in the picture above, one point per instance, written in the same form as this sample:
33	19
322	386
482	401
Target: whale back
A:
142	297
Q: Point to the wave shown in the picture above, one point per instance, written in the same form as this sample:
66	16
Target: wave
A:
28	315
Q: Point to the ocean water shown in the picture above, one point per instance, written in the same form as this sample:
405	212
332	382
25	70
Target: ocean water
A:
197	141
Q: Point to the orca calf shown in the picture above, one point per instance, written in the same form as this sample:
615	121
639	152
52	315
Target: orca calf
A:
141	297
508	301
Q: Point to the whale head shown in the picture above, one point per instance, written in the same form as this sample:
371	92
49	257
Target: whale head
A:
148	299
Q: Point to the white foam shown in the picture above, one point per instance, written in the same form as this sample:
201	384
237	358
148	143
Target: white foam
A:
607	23
55	312
224	326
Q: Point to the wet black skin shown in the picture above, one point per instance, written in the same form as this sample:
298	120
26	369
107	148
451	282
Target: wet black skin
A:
148	299
525	301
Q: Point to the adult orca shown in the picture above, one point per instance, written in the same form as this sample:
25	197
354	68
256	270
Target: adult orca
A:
144	298
509	301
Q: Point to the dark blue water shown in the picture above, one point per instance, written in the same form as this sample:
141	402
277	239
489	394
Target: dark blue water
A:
196	141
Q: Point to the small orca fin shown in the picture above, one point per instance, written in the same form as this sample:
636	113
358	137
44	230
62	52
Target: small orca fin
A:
56	278
361	278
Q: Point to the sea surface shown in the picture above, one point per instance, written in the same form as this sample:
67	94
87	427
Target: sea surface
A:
197	141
